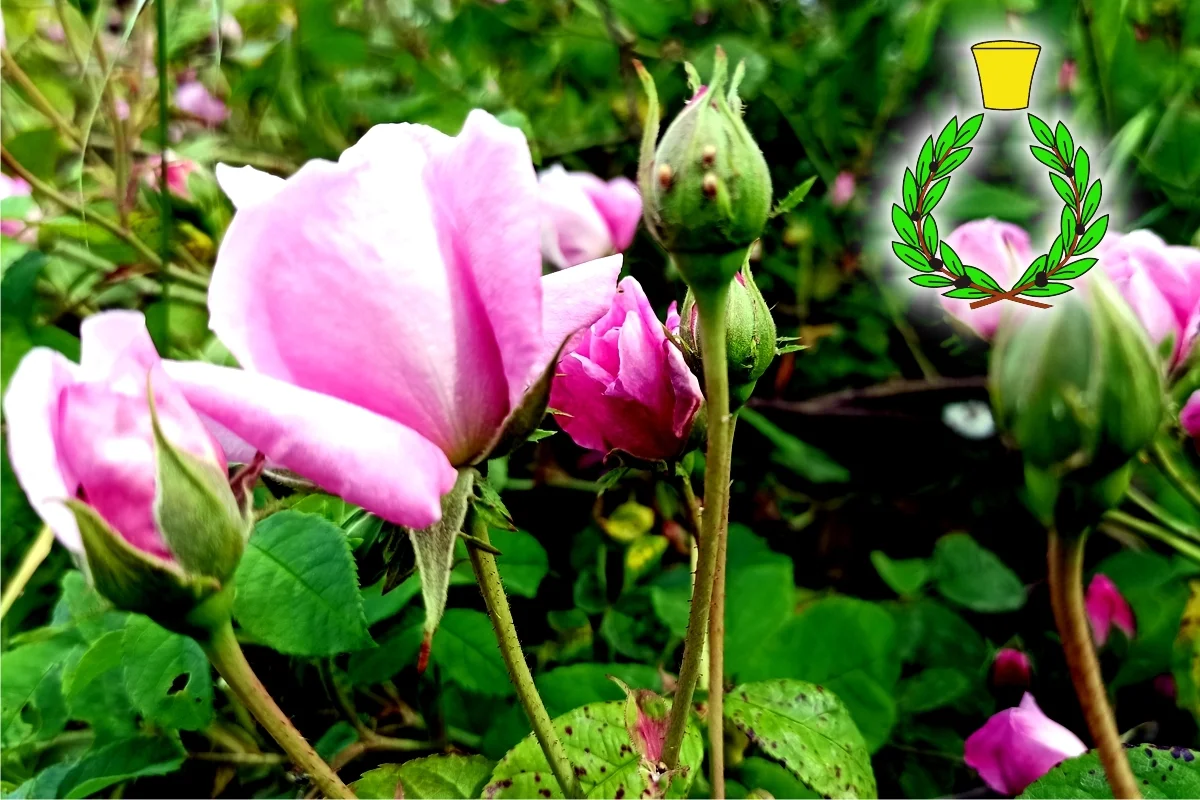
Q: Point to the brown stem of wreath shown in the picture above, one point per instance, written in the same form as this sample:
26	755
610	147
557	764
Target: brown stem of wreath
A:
1011	294
929	255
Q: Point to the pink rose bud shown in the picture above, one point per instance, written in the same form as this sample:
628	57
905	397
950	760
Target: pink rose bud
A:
1160	282
1189	417
179	170
584	218
1019	745
194	99
1011	667
132	481
1000	249
622	385
1107	607
16	226
1166	686
416	332
1068	76
842	191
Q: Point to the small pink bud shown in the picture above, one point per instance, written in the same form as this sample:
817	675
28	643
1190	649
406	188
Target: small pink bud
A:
1011	667
842	191
1166	686
1106	607
1068	76
179	170
1189	417
193	98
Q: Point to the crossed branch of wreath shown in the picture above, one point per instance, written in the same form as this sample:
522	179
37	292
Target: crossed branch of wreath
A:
938	263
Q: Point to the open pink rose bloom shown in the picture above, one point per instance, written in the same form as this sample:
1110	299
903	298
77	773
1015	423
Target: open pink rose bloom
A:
585	217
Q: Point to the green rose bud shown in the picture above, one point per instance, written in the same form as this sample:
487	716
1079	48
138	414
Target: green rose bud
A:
749	335
706	189
1077	389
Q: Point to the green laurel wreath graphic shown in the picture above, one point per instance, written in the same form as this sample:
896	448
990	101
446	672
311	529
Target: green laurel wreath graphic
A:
941	267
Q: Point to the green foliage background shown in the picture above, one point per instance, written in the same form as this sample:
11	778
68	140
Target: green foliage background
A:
876	550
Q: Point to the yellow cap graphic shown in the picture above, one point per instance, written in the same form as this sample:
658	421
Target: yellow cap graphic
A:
1005	73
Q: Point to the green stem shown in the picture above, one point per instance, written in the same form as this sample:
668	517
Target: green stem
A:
716	648
488	576
226	655
1169	520
711	307
1184	483
695	517
33	559
38	100
1146	528
1065	561
163	190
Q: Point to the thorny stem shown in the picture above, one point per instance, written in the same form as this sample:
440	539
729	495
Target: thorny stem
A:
226	655
488	576
711	307
1012	293
33	559
695	521
1065	562
1185	484
716	648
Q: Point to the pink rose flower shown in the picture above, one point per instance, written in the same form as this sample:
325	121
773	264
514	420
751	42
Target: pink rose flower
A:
1189	417
402	286
84	431
1011	667
1107	607
842	191
1000	249
623	385
1160	282
193	98
585	218
17	228
178	172
1019	745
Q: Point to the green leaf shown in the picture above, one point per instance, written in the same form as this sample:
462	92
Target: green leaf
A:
931	281
1067	225
931	689
575	685
32	706
975	577
442	776
862	670
1158	771
122	761
333	741
297	588
967	131
981	278
1063	189
945	139
396	651
807	461
808	729
911	256
952	262
905	227
597	744
1051	289
966	294
523	562
1091	202
434	548
1092	236
1083	167
934	195
910	192
1047	157
794	198
464	649
905	576
1041	130
952	162
757	773
167	676
760	596
1038	265
924	161
1075	269
929	232
379	605
1063	140
94	687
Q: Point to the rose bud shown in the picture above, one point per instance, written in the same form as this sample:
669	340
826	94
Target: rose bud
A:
707	188
1107	608
124	472
1078	390
1011	667
1189	417
749	335
1019	745
585	218
623	385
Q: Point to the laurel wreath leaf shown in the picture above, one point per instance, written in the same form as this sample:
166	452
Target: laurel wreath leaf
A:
940	267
